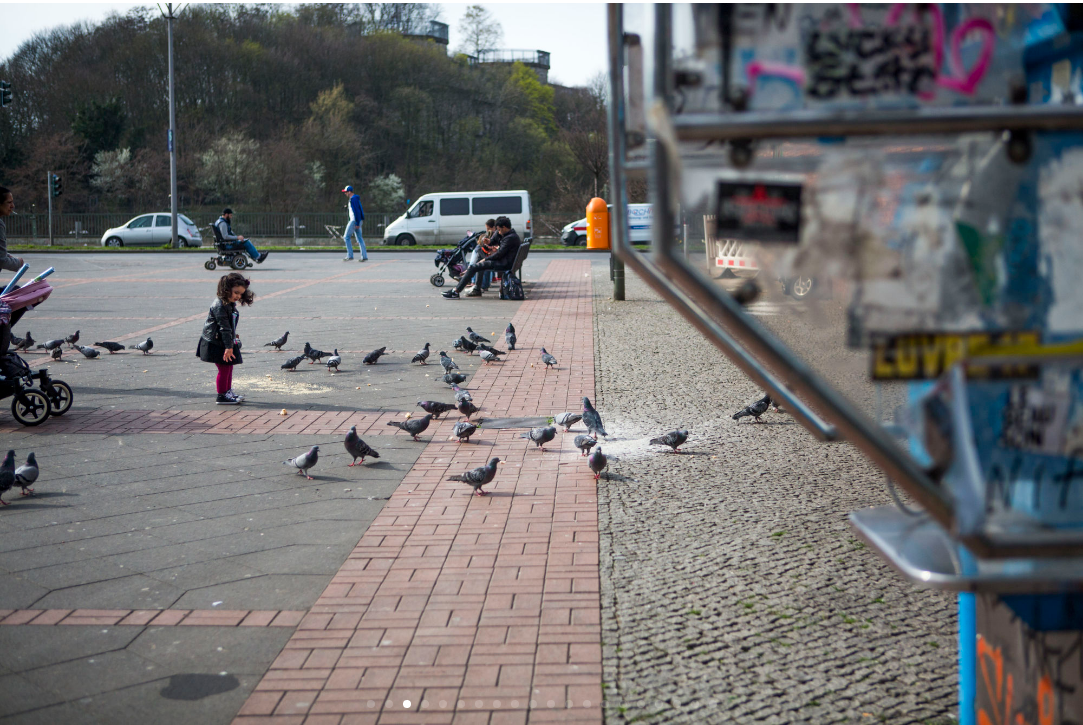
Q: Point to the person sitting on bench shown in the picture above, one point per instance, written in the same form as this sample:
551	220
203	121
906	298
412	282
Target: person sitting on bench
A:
499	261
226	230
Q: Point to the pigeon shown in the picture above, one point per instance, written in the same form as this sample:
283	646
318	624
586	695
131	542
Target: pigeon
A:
463	429
548	359
454	378
490	348
422	355
305	461
540	436
461	395
585	443
509	336
112	347
467	408
447	363
437	409
279	342
313	354
567	420
357	447
144	347
57	352
413	426
26	474
7	476
672	439
87	351
292	363
475	337
373	356
592	420
50	345
334	361
72	339
478	477
597	462
489	356
755	410
25	343
465	345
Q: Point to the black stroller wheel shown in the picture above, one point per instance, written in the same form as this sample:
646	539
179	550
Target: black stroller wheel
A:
437	280
209	264
30	407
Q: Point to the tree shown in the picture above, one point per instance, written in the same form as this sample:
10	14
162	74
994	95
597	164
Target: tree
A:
100	126
386	193
232	170
480	31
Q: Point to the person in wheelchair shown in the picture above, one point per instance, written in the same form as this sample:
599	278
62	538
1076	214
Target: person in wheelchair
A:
226	231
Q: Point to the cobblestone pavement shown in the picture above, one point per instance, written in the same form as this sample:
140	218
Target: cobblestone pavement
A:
733	588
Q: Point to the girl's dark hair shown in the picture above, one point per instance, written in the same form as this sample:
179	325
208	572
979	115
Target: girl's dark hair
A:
490	222
231	280
4	191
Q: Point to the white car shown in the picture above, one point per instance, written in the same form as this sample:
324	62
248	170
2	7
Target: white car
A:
153	230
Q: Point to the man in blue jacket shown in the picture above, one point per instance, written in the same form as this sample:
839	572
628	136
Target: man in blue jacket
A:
357	215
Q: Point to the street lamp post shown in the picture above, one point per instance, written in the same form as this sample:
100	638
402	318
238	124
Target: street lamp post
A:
171	142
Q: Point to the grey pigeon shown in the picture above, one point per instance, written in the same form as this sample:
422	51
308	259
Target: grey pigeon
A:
144	347
540	436
334	361
277	343
436	408
489	356
454	378
592	420
357	447
88	351
755	410
597	462
475	337
305	461
585	443
72	339
467	408
292	363
509	336
26	474
7	476
112	347
26	343
447	363
374	356
413	426
422	355
567	420
672	439
463	429
50	345
490	348
313	354
465	345
57	352
461	395
548	359
478	477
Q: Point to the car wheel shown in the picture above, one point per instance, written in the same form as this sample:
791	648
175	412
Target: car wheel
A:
405	240
114	242
581	240
802	287
183	243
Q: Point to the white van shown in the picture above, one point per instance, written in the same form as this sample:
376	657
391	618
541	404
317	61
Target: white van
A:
447	218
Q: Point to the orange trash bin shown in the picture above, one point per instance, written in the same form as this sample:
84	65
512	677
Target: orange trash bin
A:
597	224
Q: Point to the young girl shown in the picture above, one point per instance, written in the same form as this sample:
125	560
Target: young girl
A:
219	343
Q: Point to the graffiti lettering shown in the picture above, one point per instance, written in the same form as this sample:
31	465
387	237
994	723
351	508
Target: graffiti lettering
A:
870	61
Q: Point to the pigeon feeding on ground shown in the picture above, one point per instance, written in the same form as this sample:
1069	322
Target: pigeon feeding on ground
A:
305	461
465	345
413	426
592	420
755	410
72	339
292	363
490	348
88	351
422	355
112	347
447	363
334	361
467	408
7	476
585	443
26	474
454	379
463	430
548	359
313	354
509	336
24	343
475	337
489	356
357	447
597	462
57	352
461	395
278	342
672	439
478	477
540	436
374	356
567	420
144	347
436	408
50	345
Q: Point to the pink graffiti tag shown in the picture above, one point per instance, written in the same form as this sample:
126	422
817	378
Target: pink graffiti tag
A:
961	81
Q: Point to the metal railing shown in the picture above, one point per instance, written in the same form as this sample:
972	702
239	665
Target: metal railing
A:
502	55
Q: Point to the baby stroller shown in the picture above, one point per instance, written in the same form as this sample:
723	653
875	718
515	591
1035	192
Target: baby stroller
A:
453	262
227	254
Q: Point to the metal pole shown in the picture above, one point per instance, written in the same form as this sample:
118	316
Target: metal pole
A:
615	117
172	134
49	189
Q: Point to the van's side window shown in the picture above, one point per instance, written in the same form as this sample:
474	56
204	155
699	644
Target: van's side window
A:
455	207
425	209
493	205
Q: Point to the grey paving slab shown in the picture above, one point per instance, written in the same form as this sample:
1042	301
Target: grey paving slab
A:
88	676
28	648
18	694
66	713
240	650
18	592
269	591
146	703
130	591
294	559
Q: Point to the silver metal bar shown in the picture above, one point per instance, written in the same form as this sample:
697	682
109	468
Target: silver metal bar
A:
804	123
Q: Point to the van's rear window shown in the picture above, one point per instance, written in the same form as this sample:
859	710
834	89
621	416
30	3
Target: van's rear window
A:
498	205
455	207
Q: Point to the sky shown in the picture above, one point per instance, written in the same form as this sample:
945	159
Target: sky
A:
574	34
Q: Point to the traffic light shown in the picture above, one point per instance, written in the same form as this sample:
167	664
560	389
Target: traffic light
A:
5	94
56	186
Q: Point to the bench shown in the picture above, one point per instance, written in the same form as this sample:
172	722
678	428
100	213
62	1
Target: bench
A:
520	256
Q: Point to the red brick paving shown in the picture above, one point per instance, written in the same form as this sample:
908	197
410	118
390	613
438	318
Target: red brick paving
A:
471	609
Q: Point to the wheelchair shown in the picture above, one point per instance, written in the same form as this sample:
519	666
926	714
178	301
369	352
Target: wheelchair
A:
227	254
